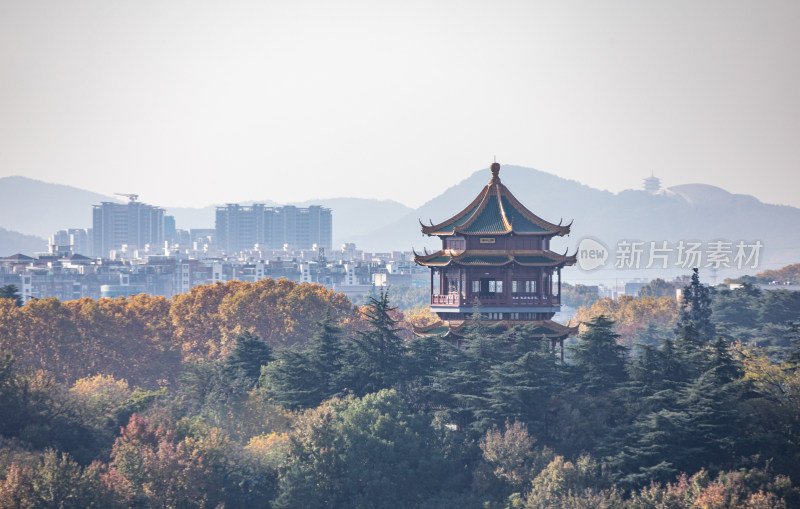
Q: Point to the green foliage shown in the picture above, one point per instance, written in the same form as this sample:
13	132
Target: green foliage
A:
527	389
404	297
596	373
578	295
494	419
374	358
244	362
304	378
597	358
694	322
368	452
12	400
657	288
11	292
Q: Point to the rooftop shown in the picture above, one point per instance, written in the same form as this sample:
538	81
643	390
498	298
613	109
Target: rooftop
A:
495	211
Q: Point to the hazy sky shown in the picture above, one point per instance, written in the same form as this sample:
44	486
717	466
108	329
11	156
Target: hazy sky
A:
196	102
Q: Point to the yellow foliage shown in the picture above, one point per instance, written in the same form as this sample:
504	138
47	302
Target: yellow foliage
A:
421	316
631	314
98	396
144	338
269	450
282	313
759	369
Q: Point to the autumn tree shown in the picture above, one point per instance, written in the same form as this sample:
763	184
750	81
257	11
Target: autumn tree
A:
632	315
151	467
657	288
513	454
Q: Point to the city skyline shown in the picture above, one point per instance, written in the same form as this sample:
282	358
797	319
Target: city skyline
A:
316	100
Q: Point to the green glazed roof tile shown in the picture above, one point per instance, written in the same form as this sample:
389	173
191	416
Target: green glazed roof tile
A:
490	219
534	259
520	223
472	260
439	259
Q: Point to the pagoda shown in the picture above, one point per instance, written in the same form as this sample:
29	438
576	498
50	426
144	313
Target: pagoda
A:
496	255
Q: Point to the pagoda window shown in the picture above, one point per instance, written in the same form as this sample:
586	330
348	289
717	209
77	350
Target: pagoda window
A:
523	286
452	286
476	286
459	244
489	286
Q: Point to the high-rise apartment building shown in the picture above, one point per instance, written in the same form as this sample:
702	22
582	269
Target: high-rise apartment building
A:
241	227
133	224
72	241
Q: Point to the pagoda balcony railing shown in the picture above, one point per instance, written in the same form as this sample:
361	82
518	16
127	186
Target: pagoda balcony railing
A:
461	300
451	299
553	300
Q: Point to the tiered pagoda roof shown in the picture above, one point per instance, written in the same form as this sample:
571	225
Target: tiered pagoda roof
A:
495	211
533	258
496	240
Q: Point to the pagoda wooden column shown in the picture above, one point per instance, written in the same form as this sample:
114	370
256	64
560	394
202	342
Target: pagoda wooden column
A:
540	284
559	285
507	285
460	284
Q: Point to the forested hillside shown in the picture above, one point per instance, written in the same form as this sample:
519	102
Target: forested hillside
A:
277	394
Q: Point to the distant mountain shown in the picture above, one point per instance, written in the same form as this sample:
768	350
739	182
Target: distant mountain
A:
14	242
40	208
686	212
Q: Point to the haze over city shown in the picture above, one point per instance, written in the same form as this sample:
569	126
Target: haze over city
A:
193	103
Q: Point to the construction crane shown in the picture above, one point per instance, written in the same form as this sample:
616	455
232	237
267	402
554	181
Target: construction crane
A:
131	197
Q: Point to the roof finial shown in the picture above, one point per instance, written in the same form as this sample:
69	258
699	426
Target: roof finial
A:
495	173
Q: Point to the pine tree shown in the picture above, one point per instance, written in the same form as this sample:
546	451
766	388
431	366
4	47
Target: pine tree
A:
374	359
466	373
525	389
683	402
596	372
249	354
290	380
304	378
11	292
324	353
793	357
424	363
597	359
694	322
